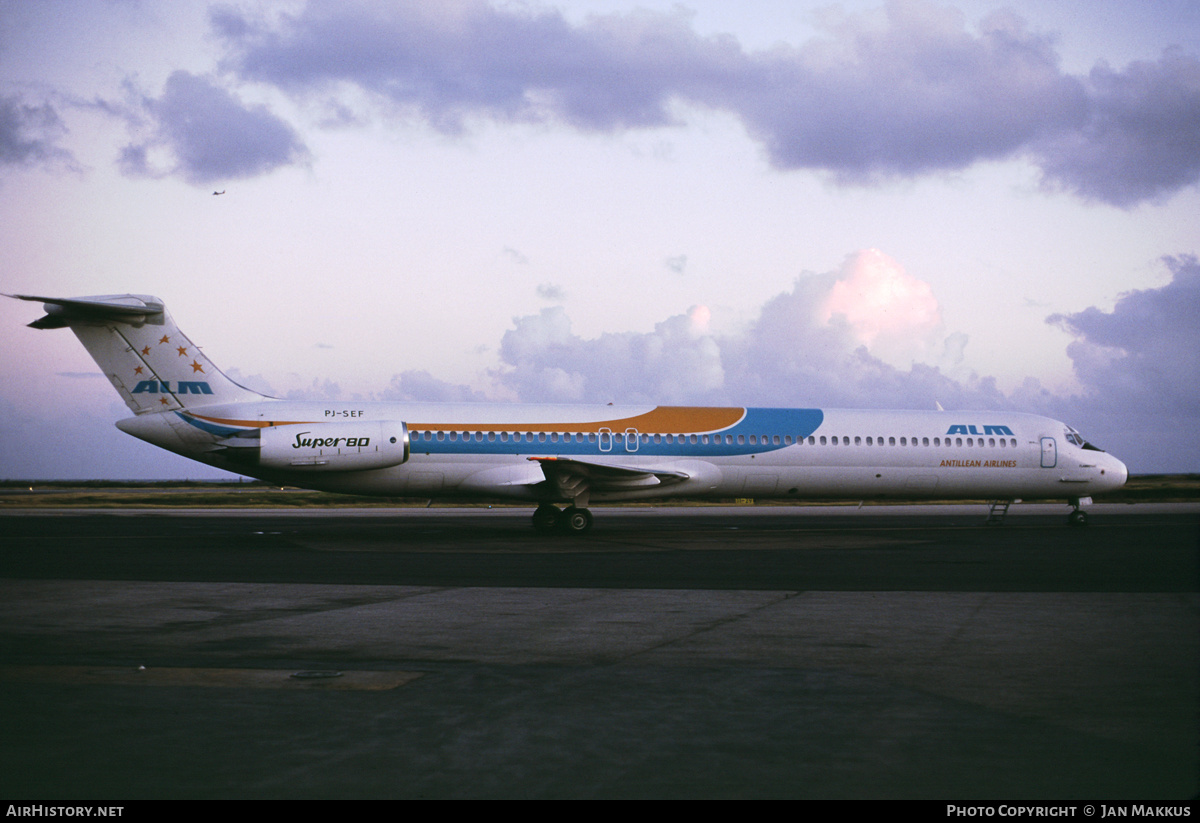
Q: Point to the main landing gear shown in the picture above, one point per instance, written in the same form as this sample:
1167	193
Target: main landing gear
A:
572	520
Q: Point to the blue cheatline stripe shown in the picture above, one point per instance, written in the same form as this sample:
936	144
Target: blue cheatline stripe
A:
755	433
211	428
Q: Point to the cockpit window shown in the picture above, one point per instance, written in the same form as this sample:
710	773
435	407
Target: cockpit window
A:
1076	439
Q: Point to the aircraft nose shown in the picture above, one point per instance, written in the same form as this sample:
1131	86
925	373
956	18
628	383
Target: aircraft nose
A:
1115	473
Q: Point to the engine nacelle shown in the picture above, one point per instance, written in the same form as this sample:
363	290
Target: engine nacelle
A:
334	447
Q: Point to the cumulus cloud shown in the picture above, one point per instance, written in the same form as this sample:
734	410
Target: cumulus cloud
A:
823	342
29	134
1141	138
678	362
456	59
885	308
420	385
914	91
1147	349
914	94
209	135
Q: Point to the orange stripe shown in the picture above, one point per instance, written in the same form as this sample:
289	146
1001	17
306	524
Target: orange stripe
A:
673	419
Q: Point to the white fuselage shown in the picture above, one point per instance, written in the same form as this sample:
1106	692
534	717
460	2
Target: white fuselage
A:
506	450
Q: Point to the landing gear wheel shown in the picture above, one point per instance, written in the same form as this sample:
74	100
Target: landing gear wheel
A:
575	520
1077	518
545	517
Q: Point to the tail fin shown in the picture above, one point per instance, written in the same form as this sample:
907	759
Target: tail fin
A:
153	365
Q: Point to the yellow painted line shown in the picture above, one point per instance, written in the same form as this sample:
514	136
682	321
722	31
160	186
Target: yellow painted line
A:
220	678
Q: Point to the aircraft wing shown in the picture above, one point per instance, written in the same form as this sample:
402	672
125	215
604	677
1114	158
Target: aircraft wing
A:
571	477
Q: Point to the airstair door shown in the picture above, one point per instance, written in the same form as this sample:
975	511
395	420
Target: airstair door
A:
1049	453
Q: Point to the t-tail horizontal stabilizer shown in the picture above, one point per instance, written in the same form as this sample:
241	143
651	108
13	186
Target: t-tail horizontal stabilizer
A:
60	312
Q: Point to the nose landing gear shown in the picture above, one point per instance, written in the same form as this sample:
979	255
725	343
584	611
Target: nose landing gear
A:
1078	517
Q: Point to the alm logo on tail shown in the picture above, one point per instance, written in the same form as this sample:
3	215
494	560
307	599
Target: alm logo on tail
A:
164	387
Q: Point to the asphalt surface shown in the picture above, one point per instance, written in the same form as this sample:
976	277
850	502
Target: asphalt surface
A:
713	652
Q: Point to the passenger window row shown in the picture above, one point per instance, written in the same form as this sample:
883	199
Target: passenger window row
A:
717	439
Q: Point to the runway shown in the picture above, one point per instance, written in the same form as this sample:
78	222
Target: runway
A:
710	652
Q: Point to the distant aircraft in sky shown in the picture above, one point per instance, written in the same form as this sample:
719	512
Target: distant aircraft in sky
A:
216	193
552	454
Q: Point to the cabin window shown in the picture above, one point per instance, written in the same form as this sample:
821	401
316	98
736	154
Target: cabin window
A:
591	437
991	441
870	441
741	439
787	440
924	441
857	440
754	440
822	440
541	437
891	441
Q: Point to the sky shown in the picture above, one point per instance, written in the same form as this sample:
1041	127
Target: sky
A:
773	202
